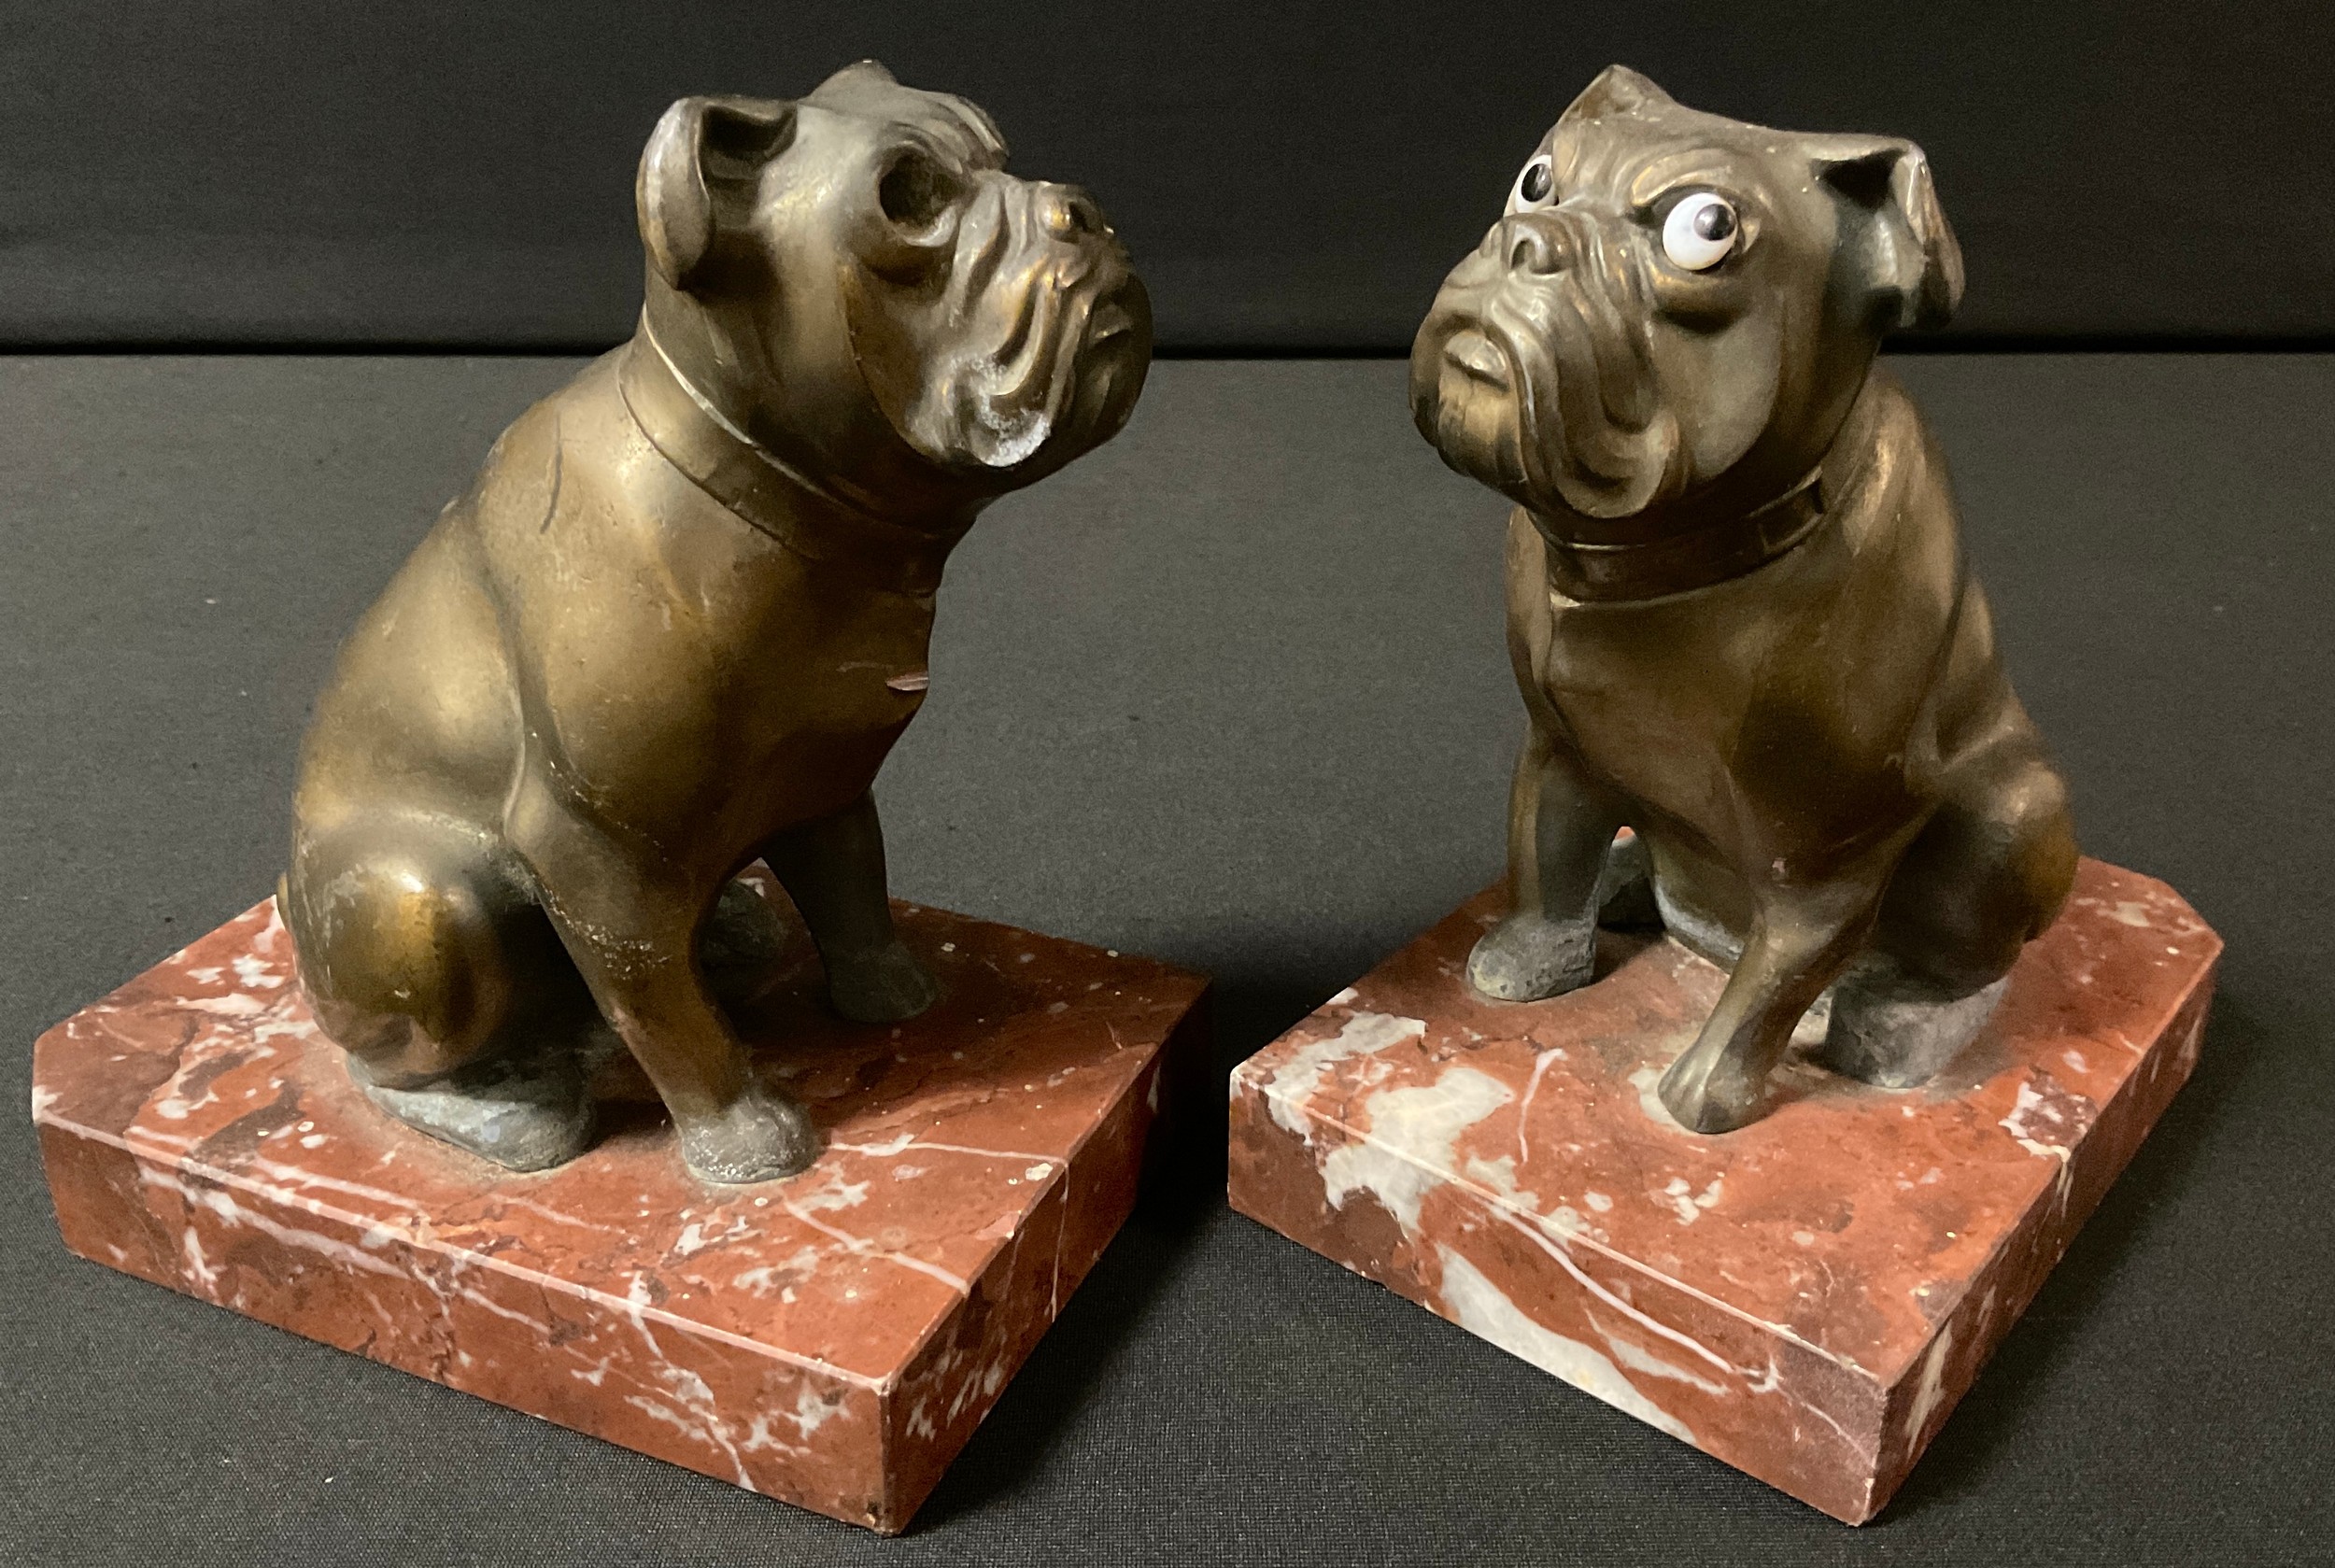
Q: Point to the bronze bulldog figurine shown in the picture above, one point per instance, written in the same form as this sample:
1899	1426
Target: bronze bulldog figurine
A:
680	618
1737	608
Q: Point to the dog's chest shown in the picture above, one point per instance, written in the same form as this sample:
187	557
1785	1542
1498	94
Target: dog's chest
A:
719	705
1651	702
1729	711
822	696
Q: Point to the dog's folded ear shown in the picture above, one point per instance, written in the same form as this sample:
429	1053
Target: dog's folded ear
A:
1618	89
1912	260
850	87
698	180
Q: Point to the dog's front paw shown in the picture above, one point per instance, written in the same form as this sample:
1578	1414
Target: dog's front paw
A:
1527	957
759	1137
885	986
1707	1091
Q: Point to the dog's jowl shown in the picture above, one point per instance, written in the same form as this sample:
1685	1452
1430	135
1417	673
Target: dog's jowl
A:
1737	608
680	617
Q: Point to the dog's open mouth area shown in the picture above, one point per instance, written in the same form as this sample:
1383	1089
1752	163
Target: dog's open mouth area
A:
1471	405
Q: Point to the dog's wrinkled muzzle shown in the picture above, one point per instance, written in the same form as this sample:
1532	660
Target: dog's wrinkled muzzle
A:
1531	372
1043	335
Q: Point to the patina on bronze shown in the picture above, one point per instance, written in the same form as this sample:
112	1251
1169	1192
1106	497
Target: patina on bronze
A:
680	618
1737	608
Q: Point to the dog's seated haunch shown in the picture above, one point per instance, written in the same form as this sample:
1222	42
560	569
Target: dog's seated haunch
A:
680	617
1737	608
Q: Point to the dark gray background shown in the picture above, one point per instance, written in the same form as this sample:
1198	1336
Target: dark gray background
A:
1291	176
1231	692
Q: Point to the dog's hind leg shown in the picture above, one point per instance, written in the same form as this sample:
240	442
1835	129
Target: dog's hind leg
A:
426	961
1560	829
1985	876
743	947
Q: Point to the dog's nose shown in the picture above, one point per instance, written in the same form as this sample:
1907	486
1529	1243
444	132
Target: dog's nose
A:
1536	245
1068	212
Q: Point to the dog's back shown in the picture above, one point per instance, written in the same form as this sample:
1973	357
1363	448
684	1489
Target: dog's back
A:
421	707
586	610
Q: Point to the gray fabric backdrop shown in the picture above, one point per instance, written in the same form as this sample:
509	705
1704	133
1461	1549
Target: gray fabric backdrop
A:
1291	175
1232	692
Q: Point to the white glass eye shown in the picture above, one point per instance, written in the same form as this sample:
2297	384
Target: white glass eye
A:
1700	232
1535	186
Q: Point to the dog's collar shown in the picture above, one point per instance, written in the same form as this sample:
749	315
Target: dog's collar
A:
763	490
1675	563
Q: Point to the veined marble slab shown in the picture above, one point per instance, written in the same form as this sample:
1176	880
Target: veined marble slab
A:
1804	1298
831	1340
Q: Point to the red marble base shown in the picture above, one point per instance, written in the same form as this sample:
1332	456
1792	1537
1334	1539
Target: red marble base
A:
1805	1298
831	1340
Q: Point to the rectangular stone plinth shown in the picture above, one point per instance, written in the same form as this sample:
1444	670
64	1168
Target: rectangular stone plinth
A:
1804	1298
833	1339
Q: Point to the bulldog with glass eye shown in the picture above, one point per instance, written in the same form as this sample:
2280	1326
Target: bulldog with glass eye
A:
679	619
1737	609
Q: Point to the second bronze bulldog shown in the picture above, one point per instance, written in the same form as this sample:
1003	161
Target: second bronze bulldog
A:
681	617
1737	608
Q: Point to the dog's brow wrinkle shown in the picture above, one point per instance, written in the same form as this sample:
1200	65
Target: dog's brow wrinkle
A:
942	130
1687	165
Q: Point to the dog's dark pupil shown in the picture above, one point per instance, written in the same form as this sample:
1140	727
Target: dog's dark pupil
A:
1716	221
1536	182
